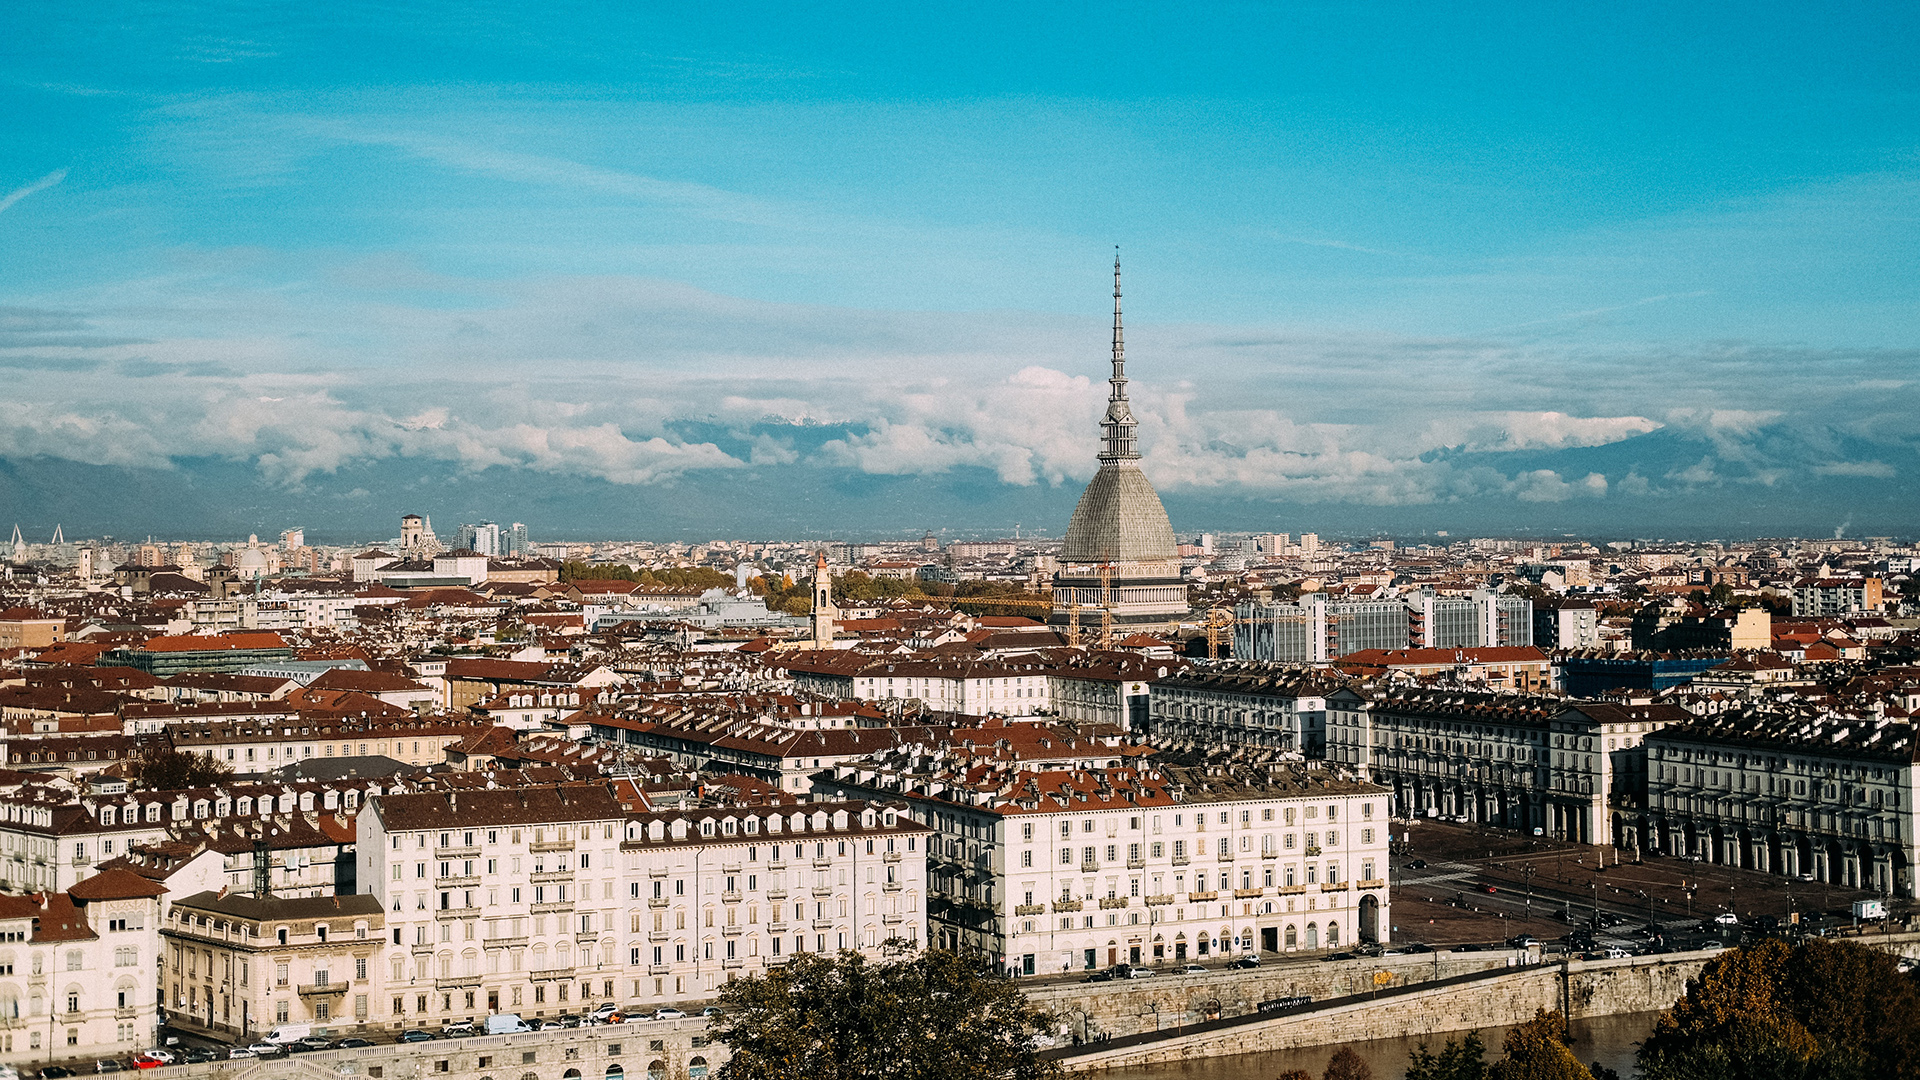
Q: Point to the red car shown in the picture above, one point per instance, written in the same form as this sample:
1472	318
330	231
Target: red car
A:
142	1061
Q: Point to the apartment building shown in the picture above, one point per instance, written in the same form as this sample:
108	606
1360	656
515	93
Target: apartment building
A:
1073	869
548	900
1794	791
76	969
1515	760
1245	704
236	964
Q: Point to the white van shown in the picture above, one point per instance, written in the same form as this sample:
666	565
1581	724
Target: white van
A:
289	1033
506	1024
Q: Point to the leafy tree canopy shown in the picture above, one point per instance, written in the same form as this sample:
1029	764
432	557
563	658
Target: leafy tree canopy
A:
160	767
1823	1010
1537	1050
1347	1065
931	1015
1463	1060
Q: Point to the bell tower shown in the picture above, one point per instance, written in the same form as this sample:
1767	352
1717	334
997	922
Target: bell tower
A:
823	610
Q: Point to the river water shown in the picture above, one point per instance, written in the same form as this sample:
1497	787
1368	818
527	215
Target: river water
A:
1610	1040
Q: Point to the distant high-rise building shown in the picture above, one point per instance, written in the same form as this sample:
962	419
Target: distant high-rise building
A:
1276	543
929	542
519	545
483	539
1309	543
292	539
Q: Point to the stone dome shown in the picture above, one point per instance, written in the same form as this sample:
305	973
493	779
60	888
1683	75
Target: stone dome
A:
1119	519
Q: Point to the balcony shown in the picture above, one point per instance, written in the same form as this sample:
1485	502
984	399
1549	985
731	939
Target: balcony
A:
656	901
891	856
1334	886
890	886
425	948
1371	883
823	890
124	1012
730	930
471	852
1068	905
463	982
1089	867
1290	890
823	924
1181	860
730	867
1196	897
1136	864
1247	894
505	943
321	989
465	912
1225	856
823	863
1111	902
1030	909
890	919
732	962
551	845
1313	849
772	864
659	969
777	926
1269	854
1159	899
657	871
463	882
776	894
731	897
546	909
549	876
549	975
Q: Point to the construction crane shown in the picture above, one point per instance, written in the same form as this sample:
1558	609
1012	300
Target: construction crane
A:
1106	604
1219	634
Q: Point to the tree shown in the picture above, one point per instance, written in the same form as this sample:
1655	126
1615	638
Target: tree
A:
1347	1065
1825	1009
1463	1060
1537	1050
932	1015
159	767
1295	1074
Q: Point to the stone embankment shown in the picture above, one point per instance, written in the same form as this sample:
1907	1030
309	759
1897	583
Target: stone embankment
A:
1401	1008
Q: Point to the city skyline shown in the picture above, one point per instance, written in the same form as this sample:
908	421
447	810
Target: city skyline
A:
678	277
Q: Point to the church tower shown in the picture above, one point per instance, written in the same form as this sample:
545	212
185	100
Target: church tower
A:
823	610
1121	566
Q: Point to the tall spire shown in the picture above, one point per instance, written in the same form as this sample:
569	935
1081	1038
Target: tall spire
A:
1118	426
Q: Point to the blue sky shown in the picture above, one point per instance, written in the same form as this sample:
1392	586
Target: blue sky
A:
776	270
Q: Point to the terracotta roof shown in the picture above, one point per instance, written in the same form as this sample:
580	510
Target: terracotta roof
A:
191	643
116	884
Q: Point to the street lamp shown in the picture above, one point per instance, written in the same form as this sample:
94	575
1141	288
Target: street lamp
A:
1526	874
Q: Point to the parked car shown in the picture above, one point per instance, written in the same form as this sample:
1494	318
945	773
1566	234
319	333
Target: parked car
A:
1142	973
1099	976
107	1065
199	1055
142	1061
1417	864
163	1056
1524	941
415	1035
551	1025
601	1012
1727	918
268	1050
1244	963
1416	947
354	1043
712	1011
457	1027
233	1054
55	1072
1712	946
1339	956
570	1020
669	1014
302	1046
